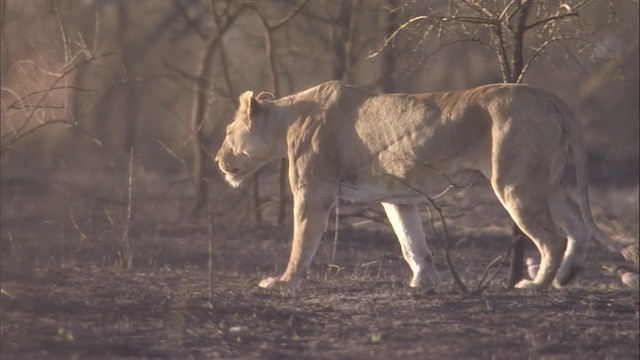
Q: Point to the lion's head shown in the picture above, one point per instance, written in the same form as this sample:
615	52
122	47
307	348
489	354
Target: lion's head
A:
247	144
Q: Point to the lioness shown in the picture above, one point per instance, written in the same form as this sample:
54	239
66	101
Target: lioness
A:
398	149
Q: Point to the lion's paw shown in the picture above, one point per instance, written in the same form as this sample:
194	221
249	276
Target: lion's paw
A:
279	284
424	277
566	275
418	282
528	284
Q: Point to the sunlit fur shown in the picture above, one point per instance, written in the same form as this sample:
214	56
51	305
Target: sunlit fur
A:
401	150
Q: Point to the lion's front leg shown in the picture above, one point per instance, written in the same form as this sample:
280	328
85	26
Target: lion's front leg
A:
407	225
309	222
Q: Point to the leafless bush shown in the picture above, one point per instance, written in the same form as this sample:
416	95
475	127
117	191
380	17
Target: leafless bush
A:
32	110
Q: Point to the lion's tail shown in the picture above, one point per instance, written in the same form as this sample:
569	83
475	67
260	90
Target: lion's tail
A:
631	252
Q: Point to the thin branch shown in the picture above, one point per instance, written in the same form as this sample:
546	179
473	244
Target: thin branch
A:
447	44
445	244
210	247
533	57
22	135
49	90
126	255
182	73
574	58
41	106
83	236
63	34
395	33
172	153
336	225
280	22
550	19
190	22
96	28
483	283
505	10
479	9
14	104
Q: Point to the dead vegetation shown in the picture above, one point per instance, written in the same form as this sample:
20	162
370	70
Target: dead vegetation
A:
68	300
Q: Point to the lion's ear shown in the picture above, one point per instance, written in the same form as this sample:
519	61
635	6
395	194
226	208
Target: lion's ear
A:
245	102
266	96
248	104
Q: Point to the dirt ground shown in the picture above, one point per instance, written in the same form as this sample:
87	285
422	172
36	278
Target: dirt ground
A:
64	297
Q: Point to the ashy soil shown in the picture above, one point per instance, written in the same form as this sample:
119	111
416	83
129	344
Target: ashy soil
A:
361	310
68	300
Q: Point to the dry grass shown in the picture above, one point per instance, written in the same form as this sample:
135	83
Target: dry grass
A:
71	299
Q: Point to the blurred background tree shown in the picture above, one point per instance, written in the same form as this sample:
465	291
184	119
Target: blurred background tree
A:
84	81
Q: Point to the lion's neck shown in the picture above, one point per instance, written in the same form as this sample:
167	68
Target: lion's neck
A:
285	112
281	115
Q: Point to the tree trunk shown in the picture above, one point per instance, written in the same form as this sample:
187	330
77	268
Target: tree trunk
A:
517	256
197	122
340	41
390	24
517	64
513	75
131	90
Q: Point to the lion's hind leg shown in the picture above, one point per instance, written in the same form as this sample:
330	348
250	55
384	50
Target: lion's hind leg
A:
567	214
529	207
407	225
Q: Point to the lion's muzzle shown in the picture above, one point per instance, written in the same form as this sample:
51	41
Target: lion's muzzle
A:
228	168
233	169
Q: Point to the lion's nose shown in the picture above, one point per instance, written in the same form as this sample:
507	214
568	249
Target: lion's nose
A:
228	168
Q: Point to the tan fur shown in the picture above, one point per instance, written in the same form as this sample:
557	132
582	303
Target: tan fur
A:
399	149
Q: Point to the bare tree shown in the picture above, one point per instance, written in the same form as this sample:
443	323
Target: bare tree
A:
200	104
518	32
269	29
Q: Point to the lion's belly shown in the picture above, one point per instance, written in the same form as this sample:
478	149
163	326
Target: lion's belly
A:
411	190
377	193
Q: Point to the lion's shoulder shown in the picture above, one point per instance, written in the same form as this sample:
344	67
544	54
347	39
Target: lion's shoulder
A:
336	90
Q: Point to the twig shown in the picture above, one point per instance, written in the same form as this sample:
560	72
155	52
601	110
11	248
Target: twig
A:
83	236
21	131
126	256
15	103
210	216
482	285
210	248
445	244
336	226
63	33
108	215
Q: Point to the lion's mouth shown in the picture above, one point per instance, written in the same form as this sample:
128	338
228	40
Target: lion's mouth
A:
234	174
235	179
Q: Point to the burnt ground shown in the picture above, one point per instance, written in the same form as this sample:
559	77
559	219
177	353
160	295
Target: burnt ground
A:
65	298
